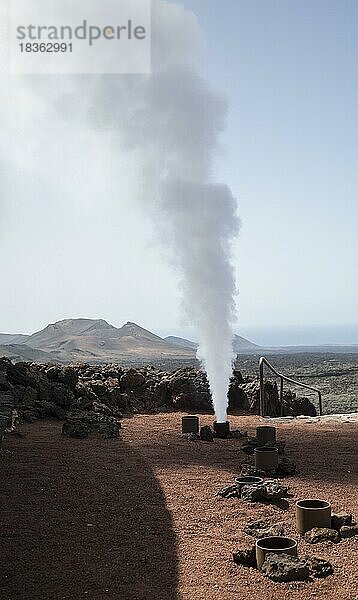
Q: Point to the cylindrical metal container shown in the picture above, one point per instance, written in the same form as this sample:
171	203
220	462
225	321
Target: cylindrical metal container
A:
266	458
312	513
190	424
247	480
266	434
221	430
274	545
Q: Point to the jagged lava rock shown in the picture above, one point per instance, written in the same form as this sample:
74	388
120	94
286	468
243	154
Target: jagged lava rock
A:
236	434
238	399
318	567
206	434
68	376
83	425
286	467
245	557
253	493
271	490
322	534
229	491
262	529
348	531
341	519
284	568
34	390
190	437
250	470
132	379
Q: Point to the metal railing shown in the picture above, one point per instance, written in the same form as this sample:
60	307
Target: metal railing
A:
264	361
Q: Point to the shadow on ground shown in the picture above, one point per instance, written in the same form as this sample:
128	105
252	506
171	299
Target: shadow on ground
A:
80	519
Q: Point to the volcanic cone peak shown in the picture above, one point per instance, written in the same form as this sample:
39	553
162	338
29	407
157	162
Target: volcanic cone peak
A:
134	330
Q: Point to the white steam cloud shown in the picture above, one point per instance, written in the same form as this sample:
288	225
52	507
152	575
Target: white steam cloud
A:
162	133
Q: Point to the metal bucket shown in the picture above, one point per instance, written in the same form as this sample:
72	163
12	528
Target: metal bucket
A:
312	513
274	545
190	424
247	480
266	434
221	430
266	458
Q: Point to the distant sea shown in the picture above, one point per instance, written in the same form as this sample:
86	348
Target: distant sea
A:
288	335
301	335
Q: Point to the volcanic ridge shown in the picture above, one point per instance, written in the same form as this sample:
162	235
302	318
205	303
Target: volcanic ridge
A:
96	341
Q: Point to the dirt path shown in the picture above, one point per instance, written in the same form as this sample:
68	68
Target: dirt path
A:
138	519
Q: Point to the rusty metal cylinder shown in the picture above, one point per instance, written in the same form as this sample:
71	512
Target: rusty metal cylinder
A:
276	545
312	513
265	434
266	459
221	430
247	480
190	424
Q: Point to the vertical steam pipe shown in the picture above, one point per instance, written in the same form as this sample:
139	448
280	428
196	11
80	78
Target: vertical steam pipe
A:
320	403
262	389
281	396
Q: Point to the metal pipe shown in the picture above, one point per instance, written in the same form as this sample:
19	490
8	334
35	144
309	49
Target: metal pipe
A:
262	389
221	430
320	403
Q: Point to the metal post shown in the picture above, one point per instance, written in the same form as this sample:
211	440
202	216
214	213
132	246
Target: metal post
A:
320	403
281	395
262	389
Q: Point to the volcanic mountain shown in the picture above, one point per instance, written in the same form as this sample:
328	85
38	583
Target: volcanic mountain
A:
10	338
20	352
240	344
96	341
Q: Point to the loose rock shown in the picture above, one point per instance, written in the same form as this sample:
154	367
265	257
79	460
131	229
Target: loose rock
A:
250	470
206	434
348	531
286	467
271	490
322	534
253	493
340	519
275	490
229	491
236	434
248	449
246	557
262	529
284	568
318	567
191	436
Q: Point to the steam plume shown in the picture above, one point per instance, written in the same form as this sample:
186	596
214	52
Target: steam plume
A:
164	128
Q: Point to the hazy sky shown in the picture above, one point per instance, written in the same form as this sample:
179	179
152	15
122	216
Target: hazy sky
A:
289	153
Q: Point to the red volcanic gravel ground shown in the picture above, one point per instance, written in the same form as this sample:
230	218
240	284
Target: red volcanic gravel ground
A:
139	519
